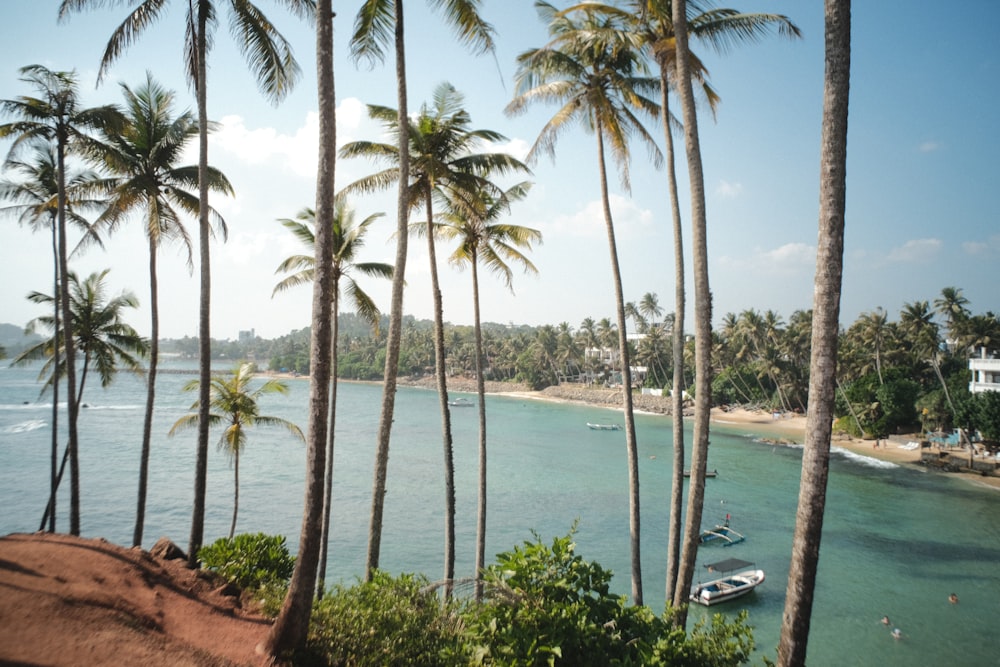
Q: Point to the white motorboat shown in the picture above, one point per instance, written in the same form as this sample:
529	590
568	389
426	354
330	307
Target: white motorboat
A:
729	586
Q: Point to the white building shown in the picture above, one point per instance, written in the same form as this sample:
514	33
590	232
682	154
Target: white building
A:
985	373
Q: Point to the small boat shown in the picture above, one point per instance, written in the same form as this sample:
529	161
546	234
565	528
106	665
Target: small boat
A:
461	403
721	534
603	427
729	586
708	473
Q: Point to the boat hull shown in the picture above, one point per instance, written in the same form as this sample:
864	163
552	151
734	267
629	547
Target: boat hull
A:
727	588
721	534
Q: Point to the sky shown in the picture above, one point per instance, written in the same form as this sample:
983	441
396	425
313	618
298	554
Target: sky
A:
922	172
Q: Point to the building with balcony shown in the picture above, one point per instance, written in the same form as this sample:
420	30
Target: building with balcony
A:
985	372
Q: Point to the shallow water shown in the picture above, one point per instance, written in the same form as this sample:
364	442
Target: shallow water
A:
896	540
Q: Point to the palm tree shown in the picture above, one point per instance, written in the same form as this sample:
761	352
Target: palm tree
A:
56	116
953	307
482	239
440	151
589	70
292	624
649	307
142	159
36	197
873	330
702	312
234	406
823	361
348	238
371	34
105	341
653	22
270	57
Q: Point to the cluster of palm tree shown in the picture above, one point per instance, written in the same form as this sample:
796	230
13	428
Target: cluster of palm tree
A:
603	67
132	153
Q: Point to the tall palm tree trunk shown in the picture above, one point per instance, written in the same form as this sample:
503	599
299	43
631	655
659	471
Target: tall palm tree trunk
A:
677	349
292	625
395	312
823	361
324	543
631	447
236	490
55	477
147	423
73	405
703	315
205	294
481	391
442	387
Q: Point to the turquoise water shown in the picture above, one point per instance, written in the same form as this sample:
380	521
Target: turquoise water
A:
896	540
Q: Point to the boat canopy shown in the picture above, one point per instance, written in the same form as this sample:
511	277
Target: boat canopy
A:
728	565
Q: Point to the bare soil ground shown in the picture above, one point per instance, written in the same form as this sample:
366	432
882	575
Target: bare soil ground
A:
71	601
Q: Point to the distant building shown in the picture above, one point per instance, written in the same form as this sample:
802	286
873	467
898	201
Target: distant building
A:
985	373
247	337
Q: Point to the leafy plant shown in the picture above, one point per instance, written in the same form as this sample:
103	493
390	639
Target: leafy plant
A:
549	606
251	561
387	621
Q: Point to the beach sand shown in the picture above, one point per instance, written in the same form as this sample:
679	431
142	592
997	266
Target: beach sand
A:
787	428
793	429
790	428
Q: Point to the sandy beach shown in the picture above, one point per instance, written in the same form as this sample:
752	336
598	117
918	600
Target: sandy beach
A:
790	428
784	429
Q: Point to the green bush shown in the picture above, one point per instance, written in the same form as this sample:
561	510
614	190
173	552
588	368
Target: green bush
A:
251	561
387	621
548	606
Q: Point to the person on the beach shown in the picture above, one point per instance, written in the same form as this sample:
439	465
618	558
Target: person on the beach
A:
953	598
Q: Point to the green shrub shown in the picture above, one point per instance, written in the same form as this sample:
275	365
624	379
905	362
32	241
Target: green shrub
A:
250	561
548	606
388	621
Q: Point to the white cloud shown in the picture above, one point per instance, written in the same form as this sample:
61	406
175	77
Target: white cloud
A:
983	248
783	260
928	147
588	221
517	147
728	190
916	250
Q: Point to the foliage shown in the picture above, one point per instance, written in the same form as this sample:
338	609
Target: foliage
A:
385	621
881	407
251	561
547	605
980	412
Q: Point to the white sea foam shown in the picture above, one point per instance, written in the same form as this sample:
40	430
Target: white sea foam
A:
27	406
864	460
89	406
24	427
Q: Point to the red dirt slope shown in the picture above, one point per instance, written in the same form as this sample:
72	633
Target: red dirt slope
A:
71	601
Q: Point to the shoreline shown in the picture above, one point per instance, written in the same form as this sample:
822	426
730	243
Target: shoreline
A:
786	429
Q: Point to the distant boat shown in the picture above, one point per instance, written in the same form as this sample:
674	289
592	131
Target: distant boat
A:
721	534
729	586
708	473
461	403
603	427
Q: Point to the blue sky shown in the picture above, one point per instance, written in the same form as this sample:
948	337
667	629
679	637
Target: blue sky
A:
922	170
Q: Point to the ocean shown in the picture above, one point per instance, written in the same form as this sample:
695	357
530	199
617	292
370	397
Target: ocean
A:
897	540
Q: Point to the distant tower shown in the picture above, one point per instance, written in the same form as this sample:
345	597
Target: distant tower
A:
246	339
